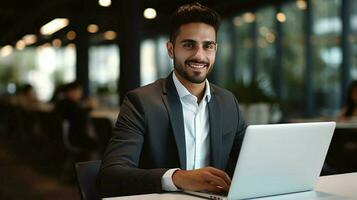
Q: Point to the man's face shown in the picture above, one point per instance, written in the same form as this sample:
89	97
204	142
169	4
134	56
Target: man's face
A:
194	51
75	94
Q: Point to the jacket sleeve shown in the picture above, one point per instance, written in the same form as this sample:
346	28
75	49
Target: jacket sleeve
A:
120	173
238	140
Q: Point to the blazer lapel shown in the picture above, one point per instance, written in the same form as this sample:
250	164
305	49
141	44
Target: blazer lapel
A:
173	105
215	131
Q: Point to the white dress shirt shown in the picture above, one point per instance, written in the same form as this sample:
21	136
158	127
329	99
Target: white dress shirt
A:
196	124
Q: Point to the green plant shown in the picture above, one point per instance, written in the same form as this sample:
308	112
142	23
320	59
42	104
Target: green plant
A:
102	90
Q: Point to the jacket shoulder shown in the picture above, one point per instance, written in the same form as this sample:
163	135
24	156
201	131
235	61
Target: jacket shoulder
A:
221	92
150	89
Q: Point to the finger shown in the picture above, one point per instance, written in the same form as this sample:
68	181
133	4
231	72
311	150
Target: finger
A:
216	181
221	174
215	189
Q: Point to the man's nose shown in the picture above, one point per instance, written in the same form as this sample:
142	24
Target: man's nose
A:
200	52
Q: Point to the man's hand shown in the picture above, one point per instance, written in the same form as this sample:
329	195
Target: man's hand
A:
206	179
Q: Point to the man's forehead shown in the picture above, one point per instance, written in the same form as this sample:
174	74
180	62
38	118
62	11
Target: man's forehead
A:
196	32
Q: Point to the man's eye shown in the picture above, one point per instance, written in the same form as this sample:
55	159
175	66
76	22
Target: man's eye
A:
188	45
209	46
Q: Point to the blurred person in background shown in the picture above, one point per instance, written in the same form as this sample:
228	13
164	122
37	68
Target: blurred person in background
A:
349	110
27	98
73	109
58	94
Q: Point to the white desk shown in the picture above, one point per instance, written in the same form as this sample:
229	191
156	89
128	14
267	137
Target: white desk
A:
342	184
346	125
335	187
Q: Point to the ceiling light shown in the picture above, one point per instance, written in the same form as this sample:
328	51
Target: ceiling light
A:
150	13
46	45
281	17
71	35
20	45
237	21
71	46
110	35
92	28
270	37
56	43
263	30
105	3
29	39
53	26
249	17
301	4
6	50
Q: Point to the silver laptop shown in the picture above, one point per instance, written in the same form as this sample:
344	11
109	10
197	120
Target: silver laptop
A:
279	159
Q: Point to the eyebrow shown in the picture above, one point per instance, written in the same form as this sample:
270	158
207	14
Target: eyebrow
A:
193	41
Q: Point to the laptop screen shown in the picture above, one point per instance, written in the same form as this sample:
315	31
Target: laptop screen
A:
280	158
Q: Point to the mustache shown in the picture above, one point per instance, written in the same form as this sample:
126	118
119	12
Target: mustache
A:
197	61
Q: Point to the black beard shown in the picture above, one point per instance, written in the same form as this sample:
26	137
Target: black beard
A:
193	79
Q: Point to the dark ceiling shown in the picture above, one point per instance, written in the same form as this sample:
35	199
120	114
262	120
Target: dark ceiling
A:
21	17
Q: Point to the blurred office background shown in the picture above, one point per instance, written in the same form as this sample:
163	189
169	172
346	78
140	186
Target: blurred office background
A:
285	60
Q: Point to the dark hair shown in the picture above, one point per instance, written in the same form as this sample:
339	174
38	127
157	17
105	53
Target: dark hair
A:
26	88
350	104
190	13
71	86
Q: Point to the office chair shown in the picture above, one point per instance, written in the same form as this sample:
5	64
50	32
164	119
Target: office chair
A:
86	176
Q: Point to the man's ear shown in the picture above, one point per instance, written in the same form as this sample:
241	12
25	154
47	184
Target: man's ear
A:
170	49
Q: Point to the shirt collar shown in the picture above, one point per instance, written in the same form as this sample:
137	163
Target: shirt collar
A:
182	91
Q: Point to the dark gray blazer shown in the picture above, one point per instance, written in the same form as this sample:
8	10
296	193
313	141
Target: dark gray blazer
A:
149	138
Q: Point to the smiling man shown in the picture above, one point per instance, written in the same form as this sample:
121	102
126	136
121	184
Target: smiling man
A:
181	132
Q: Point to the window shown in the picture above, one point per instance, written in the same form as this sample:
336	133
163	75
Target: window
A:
224	54
266	37
43	67
148	72
327	56
244	45
293	59
104	73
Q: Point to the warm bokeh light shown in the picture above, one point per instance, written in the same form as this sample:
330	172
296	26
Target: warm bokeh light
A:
71	35
54	26
301	4
46	45
237	21
92	28
56	43
249	17
6	50
150	13
29	39
263	30
71	46
20	45
110	35
270	37
281	17
105	3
